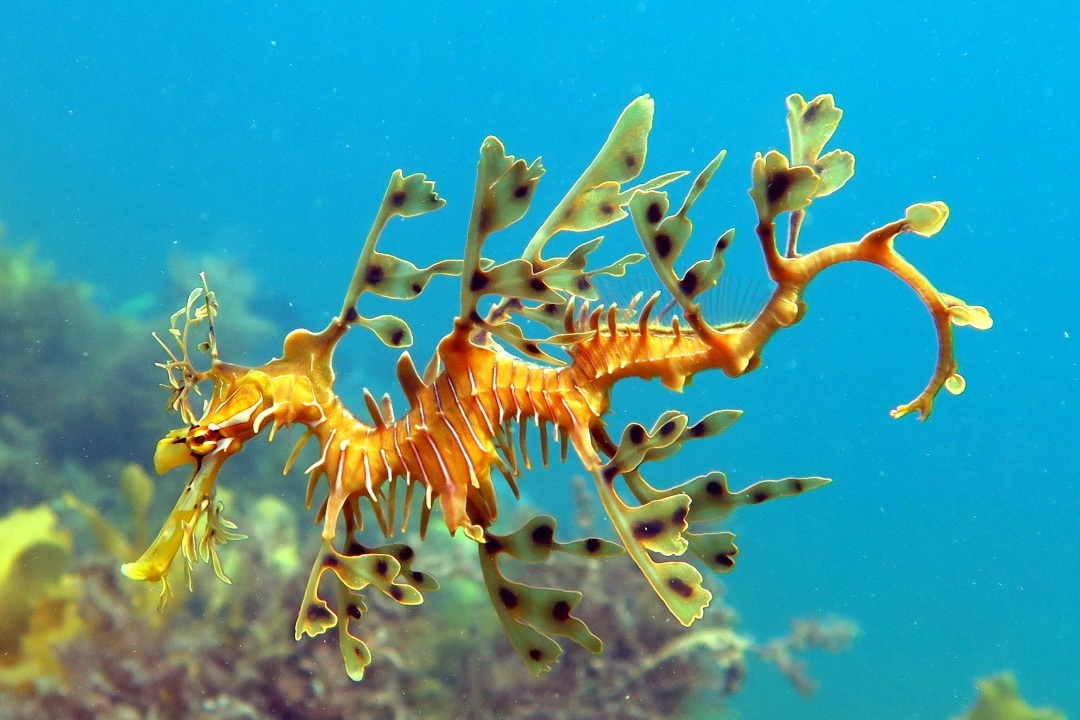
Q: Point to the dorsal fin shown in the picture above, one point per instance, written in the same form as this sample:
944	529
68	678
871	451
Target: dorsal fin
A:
409	379
374	410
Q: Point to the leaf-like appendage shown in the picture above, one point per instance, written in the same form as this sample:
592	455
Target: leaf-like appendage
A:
712	500
510	184
927	219
955	384
963	315
682	591
398	279
658	525
778	187
532	615
835	169
511	334
356	572
355	652
390	329
716	550
596	207
704	274
411	196
712	424
637	442
810	125
623	155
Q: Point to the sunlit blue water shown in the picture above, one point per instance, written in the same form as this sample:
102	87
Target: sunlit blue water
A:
264	135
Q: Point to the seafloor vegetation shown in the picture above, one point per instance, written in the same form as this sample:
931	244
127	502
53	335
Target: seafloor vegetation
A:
79	402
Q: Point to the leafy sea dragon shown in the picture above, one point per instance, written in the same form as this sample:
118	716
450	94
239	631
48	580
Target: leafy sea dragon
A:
487	376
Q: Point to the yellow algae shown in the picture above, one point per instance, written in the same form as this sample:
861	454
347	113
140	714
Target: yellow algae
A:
38	609
999	699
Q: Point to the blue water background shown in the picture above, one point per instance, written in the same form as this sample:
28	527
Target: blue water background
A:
263	134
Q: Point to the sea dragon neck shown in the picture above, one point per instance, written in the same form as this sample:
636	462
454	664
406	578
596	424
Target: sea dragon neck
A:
469	409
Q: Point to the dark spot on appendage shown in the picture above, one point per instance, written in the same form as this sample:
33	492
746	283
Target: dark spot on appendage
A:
406	554
522	191
776	186
654	213
648	529
798	486
508	597
689	282
417	576
592	545
550	308
630	160
759	497
396	592
397	337
317	613
609	472
536	654
330	561
714	487
607	209
531	348
478	281
374	275
398	198
722	244
484	222
493	546
416	288
381	567
662	243
810	113
561	610
724	560
636	434
583	283
353	611
668	428
543	534
351	315
696	430
537	284
355	547
474	318
679	516
680	587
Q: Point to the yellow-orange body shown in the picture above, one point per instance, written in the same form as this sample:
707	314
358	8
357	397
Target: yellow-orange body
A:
487	377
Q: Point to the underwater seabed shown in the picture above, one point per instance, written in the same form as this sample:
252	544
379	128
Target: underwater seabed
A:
229	653
83	643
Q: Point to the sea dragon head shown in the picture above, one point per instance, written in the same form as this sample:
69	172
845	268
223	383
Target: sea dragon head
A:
231	416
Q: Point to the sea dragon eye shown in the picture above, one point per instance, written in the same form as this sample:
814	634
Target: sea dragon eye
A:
202	440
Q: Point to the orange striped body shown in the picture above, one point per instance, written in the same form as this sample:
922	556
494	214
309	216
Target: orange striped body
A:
460	422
